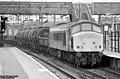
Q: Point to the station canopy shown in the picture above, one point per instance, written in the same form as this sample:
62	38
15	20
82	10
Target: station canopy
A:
103	8
35	8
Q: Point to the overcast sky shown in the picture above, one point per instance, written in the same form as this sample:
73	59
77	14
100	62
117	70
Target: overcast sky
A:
84	1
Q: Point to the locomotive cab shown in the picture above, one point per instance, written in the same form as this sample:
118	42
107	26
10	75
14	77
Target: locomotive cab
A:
87	37
87	41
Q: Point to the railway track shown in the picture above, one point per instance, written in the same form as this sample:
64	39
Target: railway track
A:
107	72
86	73
100	73
111	74
52	65
90	75
83	73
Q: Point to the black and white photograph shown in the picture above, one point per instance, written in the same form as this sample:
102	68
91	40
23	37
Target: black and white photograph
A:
59	39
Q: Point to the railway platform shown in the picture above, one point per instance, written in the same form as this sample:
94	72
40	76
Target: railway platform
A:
111	54
14	62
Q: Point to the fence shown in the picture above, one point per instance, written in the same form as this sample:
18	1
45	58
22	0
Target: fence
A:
111	41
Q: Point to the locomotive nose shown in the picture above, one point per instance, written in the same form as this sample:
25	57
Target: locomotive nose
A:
88	42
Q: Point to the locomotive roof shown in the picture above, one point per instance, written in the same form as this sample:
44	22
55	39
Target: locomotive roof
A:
34	25
65	26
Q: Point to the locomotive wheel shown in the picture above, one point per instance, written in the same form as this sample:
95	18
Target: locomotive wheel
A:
99	60
47	50
77	61
63	55
33	47
113	63
118	61
73	59
58	53
70	58
84	59
41	49
50	51
44	49
20	44
94	59
55	52
81	59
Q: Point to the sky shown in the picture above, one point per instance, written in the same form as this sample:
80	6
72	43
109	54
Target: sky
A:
74	1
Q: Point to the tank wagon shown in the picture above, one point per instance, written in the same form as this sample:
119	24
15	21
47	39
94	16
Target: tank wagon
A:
80	43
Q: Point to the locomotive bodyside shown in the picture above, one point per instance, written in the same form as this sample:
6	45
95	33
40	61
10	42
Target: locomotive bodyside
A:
59	39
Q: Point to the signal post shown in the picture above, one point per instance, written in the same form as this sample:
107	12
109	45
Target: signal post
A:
2	29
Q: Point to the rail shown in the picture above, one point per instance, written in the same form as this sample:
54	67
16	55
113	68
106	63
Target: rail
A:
50	64
111	73
83	73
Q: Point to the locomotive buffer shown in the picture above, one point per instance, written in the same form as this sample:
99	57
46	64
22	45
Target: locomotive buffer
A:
2	29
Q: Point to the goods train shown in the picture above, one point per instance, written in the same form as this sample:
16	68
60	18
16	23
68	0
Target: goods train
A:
79	43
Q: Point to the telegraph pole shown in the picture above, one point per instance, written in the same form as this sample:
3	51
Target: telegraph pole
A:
2	29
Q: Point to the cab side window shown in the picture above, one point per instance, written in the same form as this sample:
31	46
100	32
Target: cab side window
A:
96	28
76	29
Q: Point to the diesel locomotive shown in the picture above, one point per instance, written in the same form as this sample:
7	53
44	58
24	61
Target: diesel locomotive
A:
79	43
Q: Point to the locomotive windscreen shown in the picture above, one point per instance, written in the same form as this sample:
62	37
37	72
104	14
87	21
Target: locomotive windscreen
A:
86	27
76	29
